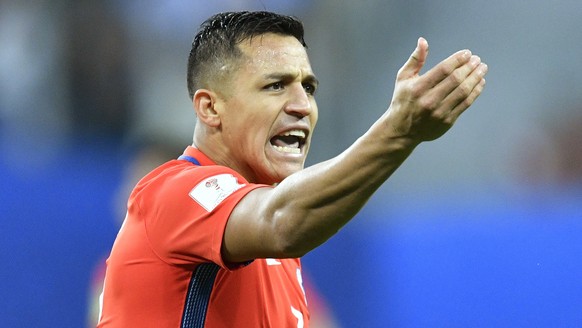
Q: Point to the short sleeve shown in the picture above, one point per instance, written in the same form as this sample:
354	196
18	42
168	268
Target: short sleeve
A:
185	211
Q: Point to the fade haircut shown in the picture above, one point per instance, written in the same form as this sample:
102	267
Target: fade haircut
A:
216	43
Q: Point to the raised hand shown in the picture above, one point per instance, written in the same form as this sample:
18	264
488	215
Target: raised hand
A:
425	106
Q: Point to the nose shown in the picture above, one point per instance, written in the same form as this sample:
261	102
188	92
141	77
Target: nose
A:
300	103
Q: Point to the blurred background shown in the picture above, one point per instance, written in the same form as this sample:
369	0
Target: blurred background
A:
480	228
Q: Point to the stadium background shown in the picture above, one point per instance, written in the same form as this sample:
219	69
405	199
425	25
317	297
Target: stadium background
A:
477	229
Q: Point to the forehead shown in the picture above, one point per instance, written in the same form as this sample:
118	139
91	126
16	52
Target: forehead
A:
272	52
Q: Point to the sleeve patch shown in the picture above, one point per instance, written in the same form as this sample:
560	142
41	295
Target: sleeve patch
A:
211	191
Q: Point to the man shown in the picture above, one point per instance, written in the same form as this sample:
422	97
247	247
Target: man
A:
214	238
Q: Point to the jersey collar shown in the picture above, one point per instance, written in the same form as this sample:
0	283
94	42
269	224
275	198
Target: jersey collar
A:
197	155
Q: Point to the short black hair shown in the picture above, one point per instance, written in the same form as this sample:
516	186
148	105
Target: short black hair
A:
216	41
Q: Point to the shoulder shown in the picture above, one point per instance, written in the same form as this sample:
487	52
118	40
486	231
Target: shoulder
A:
176	175
208	185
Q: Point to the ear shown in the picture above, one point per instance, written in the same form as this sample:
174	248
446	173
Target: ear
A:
204	102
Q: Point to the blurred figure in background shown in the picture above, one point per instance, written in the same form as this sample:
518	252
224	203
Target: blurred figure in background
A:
98	70
551	156
33	87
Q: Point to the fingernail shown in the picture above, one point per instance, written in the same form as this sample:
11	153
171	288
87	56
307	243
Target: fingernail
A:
466	54
483	69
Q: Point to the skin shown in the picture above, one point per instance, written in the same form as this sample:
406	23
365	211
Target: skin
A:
310	205
271	92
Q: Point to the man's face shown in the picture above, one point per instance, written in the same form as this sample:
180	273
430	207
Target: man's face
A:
269	112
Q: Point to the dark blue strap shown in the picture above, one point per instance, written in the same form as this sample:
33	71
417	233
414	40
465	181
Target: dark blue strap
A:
198	296
190	159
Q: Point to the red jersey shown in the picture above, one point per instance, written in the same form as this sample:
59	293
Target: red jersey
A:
166	270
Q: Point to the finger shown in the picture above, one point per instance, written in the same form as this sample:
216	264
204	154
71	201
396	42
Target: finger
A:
445	68
415	62
457	85
475	92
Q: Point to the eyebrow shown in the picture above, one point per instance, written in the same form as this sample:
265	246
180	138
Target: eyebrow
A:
288	77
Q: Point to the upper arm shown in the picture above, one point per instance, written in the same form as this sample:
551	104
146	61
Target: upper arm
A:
250	231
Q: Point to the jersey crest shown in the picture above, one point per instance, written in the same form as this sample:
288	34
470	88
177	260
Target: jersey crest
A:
211	191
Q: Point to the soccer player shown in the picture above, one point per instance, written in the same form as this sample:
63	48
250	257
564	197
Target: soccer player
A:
214	238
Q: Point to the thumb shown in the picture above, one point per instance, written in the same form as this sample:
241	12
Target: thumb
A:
415	62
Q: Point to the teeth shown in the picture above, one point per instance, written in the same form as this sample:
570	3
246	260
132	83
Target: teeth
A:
291	149
288	149
295	133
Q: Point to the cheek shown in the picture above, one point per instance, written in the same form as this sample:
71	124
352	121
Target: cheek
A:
260	128
253	138
313	117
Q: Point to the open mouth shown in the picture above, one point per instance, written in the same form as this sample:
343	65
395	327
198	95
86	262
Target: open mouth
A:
289	142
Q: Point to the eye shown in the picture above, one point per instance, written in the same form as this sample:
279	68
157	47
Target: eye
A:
309	88
275	86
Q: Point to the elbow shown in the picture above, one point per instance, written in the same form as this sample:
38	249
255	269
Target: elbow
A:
288	248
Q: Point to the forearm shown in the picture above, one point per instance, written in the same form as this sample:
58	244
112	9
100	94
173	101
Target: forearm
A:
310	206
